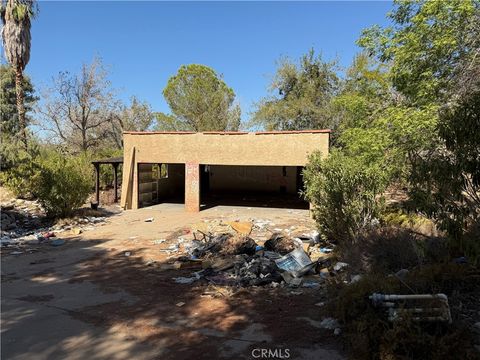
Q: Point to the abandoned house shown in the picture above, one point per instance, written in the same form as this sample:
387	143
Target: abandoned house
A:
217	168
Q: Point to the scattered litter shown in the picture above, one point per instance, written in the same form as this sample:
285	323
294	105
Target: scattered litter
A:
159	241
420	307
296	292
355	278
320	304
339	266
185	280
150	219
329	323
310	284
180	304
76	231
57	242
326	250
127	253
296	262
16	252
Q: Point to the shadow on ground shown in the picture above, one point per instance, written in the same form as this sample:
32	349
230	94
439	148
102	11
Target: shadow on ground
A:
85	301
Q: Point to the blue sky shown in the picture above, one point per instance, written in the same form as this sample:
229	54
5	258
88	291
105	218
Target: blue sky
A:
144	43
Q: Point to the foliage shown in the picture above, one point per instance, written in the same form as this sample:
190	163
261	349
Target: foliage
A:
434	52
137	116
20	166
424	46
167	122
200	100
79	108
62	183
305	92
16	17
371	336
9	124
345	195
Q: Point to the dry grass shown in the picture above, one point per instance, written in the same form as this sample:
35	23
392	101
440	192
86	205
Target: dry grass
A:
370	336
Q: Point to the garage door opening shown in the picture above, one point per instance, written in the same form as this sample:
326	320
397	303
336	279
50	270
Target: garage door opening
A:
161	183
252	186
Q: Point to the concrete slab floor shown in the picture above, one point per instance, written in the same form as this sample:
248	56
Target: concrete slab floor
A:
86	299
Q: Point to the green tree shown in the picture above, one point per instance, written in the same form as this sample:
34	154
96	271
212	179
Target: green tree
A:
434	52
9	123
200	100
302	96
425	46
16	17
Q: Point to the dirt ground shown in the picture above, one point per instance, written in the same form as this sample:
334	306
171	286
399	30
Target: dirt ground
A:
98	297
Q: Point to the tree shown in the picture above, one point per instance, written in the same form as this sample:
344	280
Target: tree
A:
304	96
137	116
425	45
79	108
9	123
16	17
201	101
434	52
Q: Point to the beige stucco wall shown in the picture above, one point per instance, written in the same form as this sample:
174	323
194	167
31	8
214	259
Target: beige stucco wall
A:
267	149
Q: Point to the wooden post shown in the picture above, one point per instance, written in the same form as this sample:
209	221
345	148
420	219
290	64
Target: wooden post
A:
97	182
115	181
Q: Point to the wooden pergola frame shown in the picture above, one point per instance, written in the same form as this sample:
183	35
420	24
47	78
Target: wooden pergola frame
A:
115	162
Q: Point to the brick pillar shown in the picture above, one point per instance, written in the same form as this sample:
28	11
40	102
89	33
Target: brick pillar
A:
192	187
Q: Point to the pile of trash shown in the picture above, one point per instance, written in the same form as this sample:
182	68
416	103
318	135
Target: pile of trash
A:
226	253
24	225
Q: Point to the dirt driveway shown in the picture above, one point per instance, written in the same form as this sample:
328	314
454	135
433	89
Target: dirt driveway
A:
97	297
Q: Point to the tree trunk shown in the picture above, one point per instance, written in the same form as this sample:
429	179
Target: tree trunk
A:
20	104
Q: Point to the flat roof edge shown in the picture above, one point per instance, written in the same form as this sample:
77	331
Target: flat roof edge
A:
322	131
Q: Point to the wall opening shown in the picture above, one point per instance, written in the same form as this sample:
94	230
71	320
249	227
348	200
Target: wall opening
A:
160	183
252	186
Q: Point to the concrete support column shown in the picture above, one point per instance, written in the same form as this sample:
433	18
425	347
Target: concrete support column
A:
192	187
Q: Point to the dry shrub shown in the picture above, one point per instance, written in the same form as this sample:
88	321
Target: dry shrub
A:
384	250
369	335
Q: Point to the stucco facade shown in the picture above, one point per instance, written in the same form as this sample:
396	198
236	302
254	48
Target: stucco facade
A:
189	150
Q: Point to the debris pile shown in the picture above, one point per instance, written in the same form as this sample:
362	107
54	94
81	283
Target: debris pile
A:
24	226
251	254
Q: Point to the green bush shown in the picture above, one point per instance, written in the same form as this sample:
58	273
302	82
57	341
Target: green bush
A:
18	167
345	195
62	183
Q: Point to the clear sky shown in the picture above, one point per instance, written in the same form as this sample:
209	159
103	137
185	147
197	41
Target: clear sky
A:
144	43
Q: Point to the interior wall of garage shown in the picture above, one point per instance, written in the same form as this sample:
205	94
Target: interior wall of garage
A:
174	184
253	178
152	190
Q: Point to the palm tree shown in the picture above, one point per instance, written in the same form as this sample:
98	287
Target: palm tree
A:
16	16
